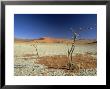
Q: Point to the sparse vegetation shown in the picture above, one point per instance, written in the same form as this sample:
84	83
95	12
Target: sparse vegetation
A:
54	63
56	66
81	61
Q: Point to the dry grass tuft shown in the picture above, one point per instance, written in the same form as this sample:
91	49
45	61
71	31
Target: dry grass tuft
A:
56	62
80	61
86	61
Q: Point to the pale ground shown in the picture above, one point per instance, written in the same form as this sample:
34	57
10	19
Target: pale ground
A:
25	56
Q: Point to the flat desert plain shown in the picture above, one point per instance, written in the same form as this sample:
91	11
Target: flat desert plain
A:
52	59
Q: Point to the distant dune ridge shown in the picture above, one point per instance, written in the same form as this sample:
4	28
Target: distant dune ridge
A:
55	40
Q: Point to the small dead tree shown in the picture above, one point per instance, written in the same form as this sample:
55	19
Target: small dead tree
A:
71	50
36	47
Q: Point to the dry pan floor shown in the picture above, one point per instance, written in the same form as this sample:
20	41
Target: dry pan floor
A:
26	62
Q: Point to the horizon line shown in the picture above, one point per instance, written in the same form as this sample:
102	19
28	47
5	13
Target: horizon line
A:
56	38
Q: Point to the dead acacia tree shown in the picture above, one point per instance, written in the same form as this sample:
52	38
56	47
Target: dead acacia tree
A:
74	37
36	47
71	50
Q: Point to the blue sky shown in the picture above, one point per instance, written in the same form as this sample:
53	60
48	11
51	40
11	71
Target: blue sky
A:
31	26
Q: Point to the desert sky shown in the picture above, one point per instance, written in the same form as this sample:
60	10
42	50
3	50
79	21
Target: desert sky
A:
31	26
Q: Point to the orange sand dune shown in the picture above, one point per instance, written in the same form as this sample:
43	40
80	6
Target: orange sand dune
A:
54	40
51	40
